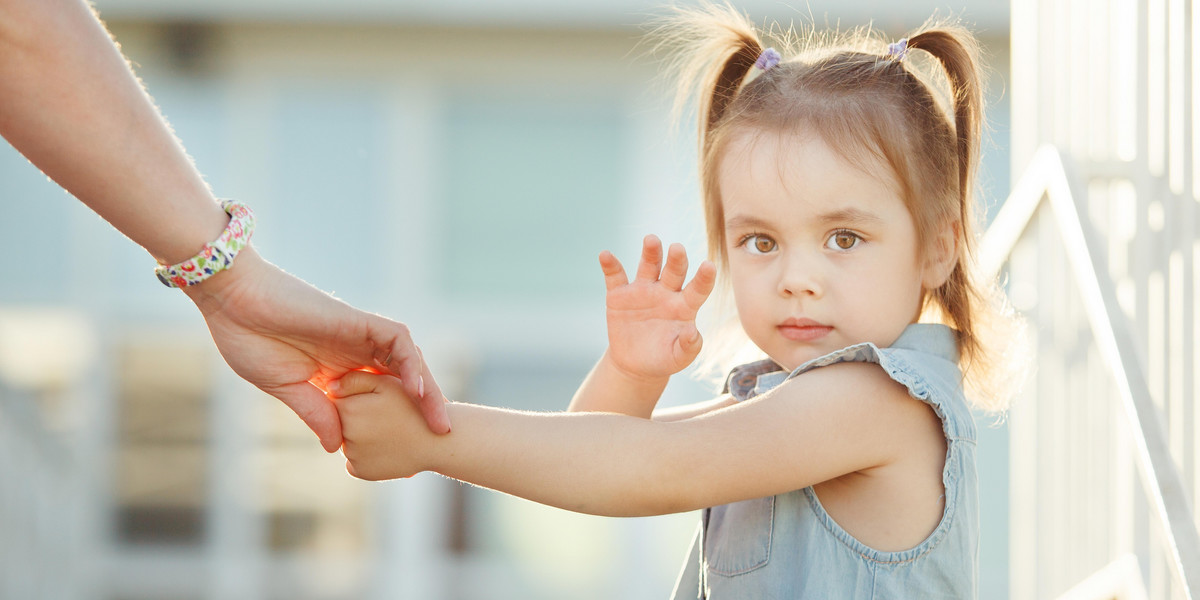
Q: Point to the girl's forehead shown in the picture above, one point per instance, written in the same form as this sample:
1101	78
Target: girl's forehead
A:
767	171
763	152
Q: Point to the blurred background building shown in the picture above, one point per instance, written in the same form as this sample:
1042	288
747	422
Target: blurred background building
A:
457	165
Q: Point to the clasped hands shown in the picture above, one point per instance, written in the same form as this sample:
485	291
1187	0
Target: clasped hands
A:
291	340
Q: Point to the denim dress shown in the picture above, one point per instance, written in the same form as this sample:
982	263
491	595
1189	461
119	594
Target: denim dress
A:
788	547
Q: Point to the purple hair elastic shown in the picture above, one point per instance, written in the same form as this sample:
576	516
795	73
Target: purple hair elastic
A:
769	58
898	50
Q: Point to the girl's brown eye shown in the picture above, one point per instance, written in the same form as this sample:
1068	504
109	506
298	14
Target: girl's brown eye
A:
764	244
843	240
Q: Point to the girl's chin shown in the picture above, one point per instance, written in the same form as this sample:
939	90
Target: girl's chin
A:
790	355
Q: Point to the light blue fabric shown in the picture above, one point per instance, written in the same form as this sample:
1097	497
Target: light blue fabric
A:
788	547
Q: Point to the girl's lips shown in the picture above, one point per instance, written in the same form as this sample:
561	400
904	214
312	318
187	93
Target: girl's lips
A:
803	330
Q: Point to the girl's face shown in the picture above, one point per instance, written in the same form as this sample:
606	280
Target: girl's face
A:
822	255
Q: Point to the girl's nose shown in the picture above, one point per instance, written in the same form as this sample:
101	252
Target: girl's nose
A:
799	276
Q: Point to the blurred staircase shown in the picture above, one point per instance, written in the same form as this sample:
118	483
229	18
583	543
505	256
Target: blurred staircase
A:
1089	420
1099	247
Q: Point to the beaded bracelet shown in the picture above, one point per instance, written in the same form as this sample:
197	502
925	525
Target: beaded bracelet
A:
216	256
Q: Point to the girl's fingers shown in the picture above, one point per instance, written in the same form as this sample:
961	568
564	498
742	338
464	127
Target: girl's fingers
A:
353	382
614	273
675	271
701	286
651	263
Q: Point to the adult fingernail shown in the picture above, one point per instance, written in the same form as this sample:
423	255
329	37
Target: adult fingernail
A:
421	386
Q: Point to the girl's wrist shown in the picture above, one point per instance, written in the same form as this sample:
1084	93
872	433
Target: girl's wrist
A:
644	385
443	454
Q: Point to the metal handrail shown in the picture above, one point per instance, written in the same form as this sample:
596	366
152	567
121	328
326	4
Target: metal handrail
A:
1048	178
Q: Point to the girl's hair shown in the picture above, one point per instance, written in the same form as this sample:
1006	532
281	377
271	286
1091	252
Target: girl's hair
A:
875	105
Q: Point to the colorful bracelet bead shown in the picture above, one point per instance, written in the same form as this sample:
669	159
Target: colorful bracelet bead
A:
216	256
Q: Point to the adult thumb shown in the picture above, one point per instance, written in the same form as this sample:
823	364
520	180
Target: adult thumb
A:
317	411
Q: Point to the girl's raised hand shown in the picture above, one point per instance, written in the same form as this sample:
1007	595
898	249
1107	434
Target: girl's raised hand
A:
652	320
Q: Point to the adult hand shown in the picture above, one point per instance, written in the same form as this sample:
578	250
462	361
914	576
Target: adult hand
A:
290	340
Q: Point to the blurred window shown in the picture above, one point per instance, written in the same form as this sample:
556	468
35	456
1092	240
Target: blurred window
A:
308	503
533	187
163	398
328	173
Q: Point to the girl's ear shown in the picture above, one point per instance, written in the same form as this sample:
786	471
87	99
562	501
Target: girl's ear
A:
941	255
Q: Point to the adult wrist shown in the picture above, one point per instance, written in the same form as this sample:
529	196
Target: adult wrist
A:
215	256
215	289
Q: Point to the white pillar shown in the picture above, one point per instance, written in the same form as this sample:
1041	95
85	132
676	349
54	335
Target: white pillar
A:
235	539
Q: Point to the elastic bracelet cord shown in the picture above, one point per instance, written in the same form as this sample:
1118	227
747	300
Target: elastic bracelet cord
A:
216	256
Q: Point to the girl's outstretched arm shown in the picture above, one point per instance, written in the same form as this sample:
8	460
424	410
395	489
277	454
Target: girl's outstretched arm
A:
651	330
836	420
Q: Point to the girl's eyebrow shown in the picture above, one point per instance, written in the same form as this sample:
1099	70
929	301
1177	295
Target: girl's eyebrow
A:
850	215
746	222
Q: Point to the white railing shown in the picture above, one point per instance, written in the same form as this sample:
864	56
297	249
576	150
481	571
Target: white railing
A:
1046	203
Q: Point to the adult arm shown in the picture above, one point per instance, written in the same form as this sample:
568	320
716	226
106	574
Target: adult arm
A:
71	105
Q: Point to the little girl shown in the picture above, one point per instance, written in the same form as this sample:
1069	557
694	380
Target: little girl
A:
841	465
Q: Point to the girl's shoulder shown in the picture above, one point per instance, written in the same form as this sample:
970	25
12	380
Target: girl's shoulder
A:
835	416
923	357
923	361
863	397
